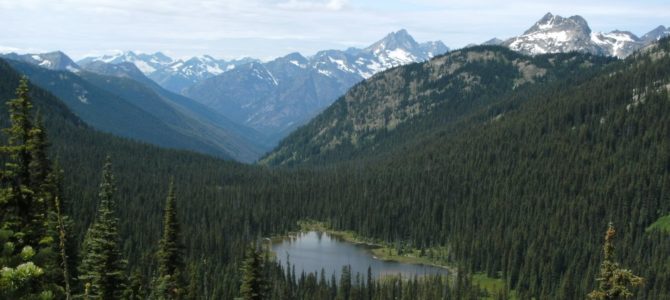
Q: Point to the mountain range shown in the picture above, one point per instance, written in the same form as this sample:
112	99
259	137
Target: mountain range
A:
403	103
119	99
277	96
55	61
507	165
556	34
172	74
256	103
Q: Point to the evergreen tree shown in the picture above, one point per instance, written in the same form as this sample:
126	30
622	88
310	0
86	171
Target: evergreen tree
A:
192	291
102	265
170	284
254	286
136	289
613	280
19	133
45	183
29	258
18	210
39	165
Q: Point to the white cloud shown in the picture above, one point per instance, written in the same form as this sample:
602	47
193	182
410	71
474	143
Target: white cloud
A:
312	5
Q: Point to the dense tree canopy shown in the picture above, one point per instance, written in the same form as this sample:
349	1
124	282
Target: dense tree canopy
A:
518	188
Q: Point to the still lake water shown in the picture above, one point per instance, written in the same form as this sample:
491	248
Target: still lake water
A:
313	251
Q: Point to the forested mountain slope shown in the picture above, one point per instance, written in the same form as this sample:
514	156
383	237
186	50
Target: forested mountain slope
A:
520	189
417	98
205	185
525	185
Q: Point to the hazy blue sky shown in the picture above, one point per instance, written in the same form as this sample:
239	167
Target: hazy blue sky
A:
271	28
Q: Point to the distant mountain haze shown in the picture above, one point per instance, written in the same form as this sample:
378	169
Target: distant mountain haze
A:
172	74
242	108
278	96
119	99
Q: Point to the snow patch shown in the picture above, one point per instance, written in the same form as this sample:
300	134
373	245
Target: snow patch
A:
144	67
326	72
341	65
177	66
295	62
45	63
401	56
72	69
214	69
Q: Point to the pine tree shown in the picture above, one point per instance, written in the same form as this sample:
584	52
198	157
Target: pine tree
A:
45	183
136	289
29	258
18	211
170	284
192	291
102	266
613	280
39	165
19	132
254	286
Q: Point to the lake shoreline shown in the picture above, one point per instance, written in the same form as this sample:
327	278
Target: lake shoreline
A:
379	251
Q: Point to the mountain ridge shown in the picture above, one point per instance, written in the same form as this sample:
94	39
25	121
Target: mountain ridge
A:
128	104
298	87
441	90
554	34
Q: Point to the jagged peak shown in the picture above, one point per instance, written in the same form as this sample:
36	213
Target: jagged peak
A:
394	40
625	32
551	22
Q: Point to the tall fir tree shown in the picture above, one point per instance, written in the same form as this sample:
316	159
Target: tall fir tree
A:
29	259
170	283
254	285
136	289
613	280
102	266
193	288
46	192
59	227
20	213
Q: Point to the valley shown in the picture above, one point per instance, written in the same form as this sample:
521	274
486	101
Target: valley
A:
532	167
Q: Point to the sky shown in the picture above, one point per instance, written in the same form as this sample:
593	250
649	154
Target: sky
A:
267	29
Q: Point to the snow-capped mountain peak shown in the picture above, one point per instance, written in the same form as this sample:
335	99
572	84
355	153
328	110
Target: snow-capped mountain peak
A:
174	75
554	23
617	43
393	41
397	48
554	34
296	59
278	95
55	60
147	63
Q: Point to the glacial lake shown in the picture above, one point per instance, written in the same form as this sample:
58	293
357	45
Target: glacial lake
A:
313	251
